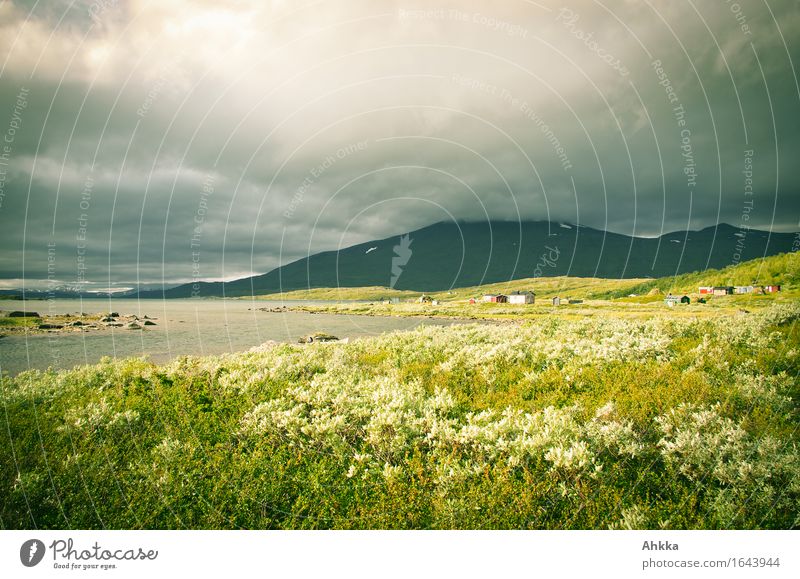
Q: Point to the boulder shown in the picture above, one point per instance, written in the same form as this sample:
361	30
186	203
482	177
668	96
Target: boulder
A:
24	315
134	326
149	323
50	326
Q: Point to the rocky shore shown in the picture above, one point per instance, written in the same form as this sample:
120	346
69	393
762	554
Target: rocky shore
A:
31	322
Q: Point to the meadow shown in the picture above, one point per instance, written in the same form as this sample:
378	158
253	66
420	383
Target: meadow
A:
557	422
782	269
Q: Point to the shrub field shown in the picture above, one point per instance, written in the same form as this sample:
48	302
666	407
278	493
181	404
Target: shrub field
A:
555	423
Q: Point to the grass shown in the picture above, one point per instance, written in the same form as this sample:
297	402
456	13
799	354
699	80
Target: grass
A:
639	307
19	323
670	420
341	294
782	269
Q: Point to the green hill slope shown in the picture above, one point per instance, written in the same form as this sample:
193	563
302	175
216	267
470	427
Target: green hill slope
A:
782	269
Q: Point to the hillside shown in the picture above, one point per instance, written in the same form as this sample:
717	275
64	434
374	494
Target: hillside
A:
456	255
782	269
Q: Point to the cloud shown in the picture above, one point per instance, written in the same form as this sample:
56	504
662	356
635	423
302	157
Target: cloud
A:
319	124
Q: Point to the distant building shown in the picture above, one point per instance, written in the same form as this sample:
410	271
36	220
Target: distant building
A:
706	289
556	301
671	300
771	289
724	290
743	289
495	298
425	299
472	300
519	297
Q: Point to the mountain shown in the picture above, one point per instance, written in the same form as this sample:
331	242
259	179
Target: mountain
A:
448	255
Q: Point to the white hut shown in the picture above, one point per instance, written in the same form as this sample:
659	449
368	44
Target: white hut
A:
518	297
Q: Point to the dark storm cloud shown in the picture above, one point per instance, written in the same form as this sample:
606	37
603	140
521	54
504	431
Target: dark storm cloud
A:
158	143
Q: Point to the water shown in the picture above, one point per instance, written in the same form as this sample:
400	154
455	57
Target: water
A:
183	327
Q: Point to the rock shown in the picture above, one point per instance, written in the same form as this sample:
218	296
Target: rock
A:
134	326
318	337
24	315
114	325
149	323
76	323
107	319
113	315
50	326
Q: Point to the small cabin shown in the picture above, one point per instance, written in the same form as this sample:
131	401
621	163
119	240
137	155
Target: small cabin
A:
724	290
521	297
556	301
706	289
496	298
671	300
743	289
771	289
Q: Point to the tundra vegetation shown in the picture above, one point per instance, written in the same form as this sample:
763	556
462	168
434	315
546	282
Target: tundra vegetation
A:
782	269
553	423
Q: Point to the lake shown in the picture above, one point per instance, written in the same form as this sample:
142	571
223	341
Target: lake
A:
184	327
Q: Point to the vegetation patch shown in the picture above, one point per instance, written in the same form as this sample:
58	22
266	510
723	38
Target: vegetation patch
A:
556	423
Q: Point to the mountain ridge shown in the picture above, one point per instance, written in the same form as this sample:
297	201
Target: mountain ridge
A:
447	255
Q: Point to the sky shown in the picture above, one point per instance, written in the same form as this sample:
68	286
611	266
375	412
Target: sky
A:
148	143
